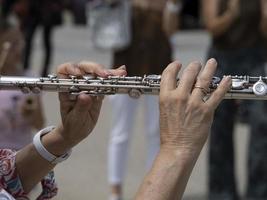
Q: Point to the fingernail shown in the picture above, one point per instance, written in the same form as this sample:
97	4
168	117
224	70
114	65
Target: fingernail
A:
178	63
123	67
228	79
212	61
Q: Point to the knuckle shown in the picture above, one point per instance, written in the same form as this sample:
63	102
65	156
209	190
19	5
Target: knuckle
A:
194	104
172	99
163	98
181	98
203	81
63	66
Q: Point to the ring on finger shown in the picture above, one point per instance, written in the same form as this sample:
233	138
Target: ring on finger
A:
203	90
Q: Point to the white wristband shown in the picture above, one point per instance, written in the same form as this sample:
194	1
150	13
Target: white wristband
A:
43	151
174	7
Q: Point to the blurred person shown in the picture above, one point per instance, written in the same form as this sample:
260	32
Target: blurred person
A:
238	29
183	134
45	14
153	23
20	113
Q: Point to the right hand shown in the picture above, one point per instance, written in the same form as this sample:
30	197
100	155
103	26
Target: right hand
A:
185	119
79	117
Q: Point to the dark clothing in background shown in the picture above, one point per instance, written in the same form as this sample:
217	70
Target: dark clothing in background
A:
150	50
45	14
78	9
222	183
239	51
245	31
6	7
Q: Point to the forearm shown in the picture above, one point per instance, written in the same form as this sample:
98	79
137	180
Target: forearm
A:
169	175
31	166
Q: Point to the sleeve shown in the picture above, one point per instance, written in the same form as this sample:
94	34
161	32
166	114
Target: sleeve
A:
10	182
9	178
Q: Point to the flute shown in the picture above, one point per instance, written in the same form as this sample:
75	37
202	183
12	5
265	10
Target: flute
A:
243	87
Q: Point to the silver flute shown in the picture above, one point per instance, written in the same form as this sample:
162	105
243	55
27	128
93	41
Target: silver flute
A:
243	87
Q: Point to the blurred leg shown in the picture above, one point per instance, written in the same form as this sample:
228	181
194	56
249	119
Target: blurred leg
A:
152	128
257	158
48	48
124	109
222	184
29	31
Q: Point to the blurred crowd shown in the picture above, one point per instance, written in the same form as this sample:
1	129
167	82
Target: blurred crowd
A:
238	31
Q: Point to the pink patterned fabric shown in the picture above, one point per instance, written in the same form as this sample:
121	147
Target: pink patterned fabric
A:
11	184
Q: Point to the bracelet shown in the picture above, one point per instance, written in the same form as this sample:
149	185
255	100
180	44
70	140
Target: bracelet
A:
174	7
43	151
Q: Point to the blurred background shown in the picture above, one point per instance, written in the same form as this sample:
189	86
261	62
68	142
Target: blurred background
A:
64	34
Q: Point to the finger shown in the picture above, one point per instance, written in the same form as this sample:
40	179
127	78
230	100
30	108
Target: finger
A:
169	77
120	71
218	95
83	103
95	109
188	78
204	79
66	69
93	68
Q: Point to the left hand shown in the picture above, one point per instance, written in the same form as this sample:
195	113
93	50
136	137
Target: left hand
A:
185	119
79	117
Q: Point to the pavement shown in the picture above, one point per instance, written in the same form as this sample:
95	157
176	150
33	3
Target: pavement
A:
84	175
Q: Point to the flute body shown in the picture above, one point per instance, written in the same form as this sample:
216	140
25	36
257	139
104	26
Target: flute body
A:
243	87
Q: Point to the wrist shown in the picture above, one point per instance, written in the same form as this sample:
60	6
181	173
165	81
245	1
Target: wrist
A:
185	149
55	143
181	155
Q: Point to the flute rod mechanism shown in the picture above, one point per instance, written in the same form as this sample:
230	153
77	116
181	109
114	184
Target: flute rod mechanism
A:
243	87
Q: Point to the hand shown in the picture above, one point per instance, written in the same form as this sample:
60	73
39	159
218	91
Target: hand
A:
79	117
185	119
